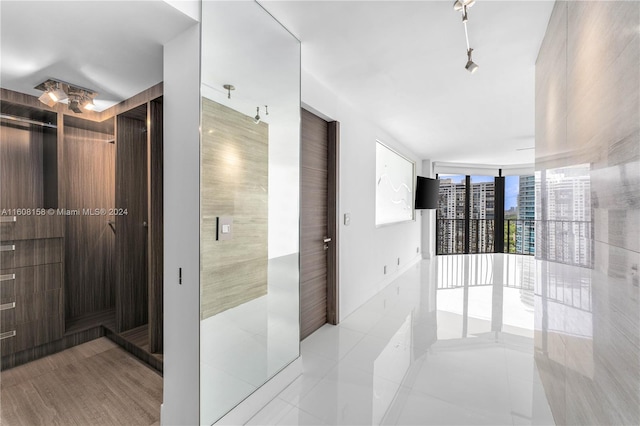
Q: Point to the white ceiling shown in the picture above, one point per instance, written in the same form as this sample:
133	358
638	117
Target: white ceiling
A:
111	47
402	63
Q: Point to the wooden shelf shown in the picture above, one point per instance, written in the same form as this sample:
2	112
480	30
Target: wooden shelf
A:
105	318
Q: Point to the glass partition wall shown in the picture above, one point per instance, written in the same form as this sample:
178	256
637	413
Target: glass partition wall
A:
249	203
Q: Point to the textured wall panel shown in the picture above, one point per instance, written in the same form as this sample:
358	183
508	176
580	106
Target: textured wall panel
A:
234	183
588	201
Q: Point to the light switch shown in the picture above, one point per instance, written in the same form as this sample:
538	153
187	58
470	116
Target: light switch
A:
347	219
224	228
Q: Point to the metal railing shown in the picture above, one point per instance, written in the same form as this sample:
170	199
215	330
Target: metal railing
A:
561	241
450	236
484	270
569	242
519	236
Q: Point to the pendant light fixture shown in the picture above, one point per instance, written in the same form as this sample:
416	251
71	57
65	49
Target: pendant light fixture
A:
462	6
229	88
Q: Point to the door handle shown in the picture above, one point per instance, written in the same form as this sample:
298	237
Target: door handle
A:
327	240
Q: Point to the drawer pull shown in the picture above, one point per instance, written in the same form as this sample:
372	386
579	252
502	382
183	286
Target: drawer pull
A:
7	334
7	277
7	306
8	247
6	219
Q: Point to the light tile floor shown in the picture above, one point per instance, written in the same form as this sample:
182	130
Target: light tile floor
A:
427	350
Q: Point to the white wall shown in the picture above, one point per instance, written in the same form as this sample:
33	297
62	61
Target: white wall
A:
364	249
182	229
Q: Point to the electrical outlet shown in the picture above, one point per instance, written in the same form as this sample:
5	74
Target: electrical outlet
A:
385	269
398	261
417	249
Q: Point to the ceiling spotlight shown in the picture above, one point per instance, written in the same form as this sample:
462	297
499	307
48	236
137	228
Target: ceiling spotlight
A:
256	119
458	5
87	101
471	66
56	93
46	99
89	105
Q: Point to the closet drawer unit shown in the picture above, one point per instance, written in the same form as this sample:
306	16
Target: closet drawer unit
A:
20	253
29	280
7	254
7	342
7	316
30	334
31	227
7	227
7	285
31	307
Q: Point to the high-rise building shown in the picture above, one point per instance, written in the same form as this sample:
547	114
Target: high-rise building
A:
451	216
568	195
525	231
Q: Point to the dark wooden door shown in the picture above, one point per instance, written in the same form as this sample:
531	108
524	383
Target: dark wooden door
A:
318	253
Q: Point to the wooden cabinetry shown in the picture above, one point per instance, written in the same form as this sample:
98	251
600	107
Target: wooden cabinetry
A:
56	169
31	282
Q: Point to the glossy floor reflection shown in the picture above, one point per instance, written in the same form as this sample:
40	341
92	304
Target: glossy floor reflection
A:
448	342
242	347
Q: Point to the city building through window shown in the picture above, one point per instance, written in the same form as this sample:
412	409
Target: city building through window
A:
467	219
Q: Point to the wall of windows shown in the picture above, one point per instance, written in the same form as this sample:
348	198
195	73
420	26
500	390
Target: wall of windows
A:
469	211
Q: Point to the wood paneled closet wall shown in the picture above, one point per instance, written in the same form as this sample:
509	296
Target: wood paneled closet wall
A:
86	260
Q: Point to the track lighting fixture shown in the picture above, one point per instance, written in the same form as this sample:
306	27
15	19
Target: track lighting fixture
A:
458	5
256	119
471	66
461	6
58	91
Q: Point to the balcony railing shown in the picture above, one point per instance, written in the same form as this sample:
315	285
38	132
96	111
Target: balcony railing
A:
519	236
567	242
450	236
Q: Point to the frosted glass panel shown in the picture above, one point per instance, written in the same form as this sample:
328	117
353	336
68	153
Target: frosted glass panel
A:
394	186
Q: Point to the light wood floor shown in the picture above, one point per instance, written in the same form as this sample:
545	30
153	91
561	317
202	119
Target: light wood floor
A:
96	383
